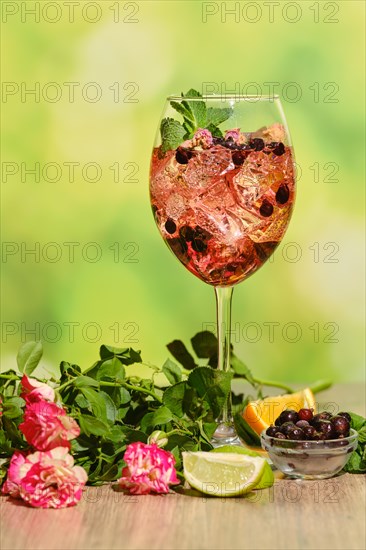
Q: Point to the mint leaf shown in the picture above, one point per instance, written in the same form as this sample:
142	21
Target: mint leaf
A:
172	134
215	131
216	116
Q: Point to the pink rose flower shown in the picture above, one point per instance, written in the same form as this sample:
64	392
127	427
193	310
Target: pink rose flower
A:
46	426
149	469
234	134
34	391
202	138
17	469
46	479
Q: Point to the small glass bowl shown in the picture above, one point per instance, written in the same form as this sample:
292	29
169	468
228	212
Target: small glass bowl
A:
310	459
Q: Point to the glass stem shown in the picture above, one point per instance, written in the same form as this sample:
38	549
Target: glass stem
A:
223	312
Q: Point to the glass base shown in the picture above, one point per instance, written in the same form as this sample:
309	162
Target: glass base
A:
225	434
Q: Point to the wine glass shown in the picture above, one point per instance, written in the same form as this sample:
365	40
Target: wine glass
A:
222	190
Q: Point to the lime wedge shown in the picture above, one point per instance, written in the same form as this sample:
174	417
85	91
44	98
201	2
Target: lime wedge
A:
267	478
222	475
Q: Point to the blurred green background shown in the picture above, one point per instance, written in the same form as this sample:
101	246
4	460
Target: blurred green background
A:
100	76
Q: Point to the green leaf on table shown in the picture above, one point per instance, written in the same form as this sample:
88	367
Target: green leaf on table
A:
111	369
212	385
96	401
110	407
29	356
84	381
240	369
92	426
13	407
127	356
69	370
172	134
147	423
173	398
162	416
204	344
172	371
245	432
181	354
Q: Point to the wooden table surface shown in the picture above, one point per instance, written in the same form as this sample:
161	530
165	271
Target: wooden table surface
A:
317	515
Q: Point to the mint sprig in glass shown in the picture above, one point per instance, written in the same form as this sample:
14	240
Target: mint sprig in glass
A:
222	190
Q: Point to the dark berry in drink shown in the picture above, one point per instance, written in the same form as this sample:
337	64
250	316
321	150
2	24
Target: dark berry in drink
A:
238	158
278	149
200	233
266	208
278	421
341	425
305	414
283	194
289	415
257	144
199	245
187	233
182	155
179	247
170	226
309	432
218	140
346	415
302	423
271	431
326	427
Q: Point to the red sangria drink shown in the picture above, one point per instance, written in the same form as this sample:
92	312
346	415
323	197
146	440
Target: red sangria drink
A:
222	190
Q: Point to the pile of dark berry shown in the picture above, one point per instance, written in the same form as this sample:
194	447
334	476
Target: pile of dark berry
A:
304	425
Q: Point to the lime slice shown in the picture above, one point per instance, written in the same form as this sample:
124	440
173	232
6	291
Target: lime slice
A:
222	475
267	478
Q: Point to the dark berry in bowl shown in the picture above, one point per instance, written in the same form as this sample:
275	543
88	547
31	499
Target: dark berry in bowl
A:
280	435
309	431
340	425
289	415
305	414
271	431
346	415
286	426
320	416
295	433
326	428
302	424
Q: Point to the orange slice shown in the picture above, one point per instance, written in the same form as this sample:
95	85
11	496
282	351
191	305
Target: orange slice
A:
262	413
